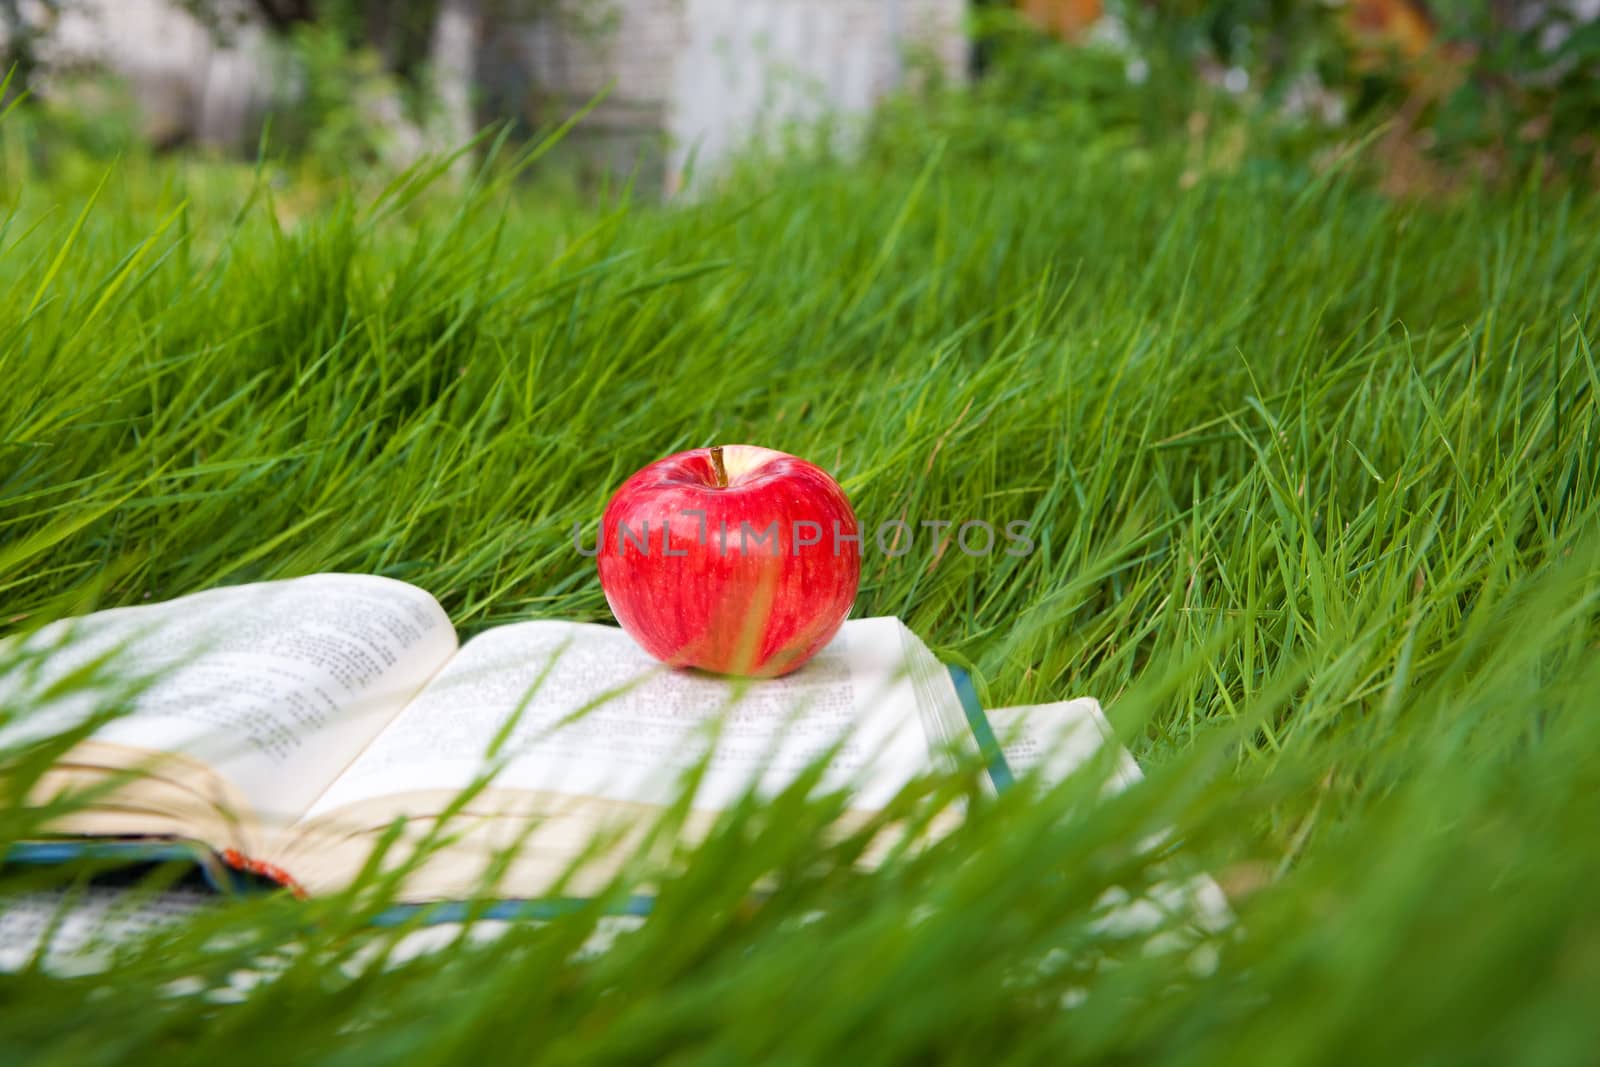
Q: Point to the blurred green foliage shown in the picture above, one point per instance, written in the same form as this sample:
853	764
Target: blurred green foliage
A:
1500	89
344	87
1479	91
1534	90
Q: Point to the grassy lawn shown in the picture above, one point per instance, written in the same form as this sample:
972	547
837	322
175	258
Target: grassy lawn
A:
1314	476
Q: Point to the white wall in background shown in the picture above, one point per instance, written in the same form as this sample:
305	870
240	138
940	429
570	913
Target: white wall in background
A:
186	82
750	68
708	75
713	74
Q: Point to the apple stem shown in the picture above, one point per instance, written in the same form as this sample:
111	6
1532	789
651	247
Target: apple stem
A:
717	467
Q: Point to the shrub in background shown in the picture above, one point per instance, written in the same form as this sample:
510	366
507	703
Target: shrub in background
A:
1470	92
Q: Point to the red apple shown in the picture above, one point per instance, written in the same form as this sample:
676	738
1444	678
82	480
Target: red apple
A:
734	559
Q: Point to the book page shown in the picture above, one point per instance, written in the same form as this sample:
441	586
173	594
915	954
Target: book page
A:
1054	740
276	685
77	933
600	718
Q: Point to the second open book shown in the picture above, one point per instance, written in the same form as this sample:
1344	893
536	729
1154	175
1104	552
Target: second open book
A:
290	725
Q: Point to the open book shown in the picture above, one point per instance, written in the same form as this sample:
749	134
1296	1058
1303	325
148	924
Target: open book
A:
289	725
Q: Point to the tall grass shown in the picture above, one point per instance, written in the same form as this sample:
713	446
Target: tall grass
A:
1313	481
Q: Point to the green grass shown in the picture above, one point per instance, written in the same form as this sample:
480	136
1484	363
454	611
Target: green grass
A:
1314	475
